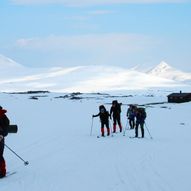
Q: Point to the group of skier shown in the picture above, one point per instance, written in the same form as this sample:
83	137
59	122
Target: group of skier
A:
136	117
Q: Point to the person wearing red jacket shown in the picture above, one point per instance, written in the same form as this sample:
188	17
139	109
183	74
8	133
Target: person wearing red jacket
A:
4	123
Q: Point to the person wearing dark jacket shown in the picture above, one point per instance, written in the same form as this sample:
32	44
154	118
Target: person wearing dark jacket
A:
140	120
104	118
4	123
131	113
115	111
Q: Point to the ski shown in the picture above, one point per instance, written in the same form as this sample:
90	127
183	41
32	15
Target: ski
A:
105	136
136	137
133	137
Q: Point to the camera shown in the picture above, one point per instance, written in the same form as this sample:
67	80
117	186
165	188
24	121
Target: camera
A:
12	129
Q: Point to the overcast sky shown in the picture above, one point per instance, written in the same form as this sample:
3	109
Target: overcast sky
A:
127	33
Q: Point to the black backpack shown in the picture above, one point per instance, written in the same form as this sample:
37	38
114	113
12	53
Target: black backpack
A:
118	105
4	123
143	112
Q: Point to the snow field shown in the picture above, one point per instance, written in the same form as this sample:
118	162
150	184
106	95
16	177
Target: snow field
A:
54	136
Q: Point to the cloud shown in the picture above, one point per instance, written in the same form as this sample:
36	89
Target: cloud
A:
101	12
89	49
92	2
116	42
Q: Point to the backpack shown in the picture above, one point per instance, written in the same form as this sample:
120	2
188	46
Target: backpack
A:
119	107
4	123
143	112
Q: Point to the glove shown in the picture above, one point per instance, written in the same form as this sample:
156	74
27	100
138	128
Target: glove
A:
1	138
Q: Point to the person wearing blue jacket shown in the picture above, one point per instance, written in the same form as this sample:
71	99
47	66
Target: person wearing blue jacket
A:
131	113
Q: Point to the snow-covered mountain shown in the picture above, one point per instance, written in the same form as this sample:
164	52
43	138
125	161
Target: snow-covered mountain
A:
7	63
84	79
77	79
164	70
10	69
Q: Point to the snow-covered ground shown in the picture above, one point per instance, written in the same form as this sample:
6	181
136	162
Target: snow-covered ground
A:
54	136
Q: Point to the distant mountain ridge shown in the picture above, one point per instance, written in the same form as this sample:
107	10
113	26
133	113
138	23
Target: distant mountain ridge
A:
164	70
82	78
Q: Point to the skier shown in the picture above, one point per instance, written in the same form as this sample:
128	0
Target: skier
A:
104	118
140	120
131	115
4	123
116	111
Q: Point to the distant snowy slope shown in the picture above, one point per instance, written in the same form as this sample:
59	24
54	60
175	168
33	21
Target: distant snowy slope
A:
166	71
7	63
9	68
107	79
85	79
15	77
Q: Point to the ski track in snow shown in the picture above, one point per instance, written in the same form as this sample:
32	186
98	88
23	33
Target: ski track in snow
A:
62	155
130	173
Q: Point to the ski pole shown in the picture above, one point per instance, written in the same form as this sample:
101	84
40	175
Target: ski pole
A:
110	127
25	162
91	127
148	131
125	128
